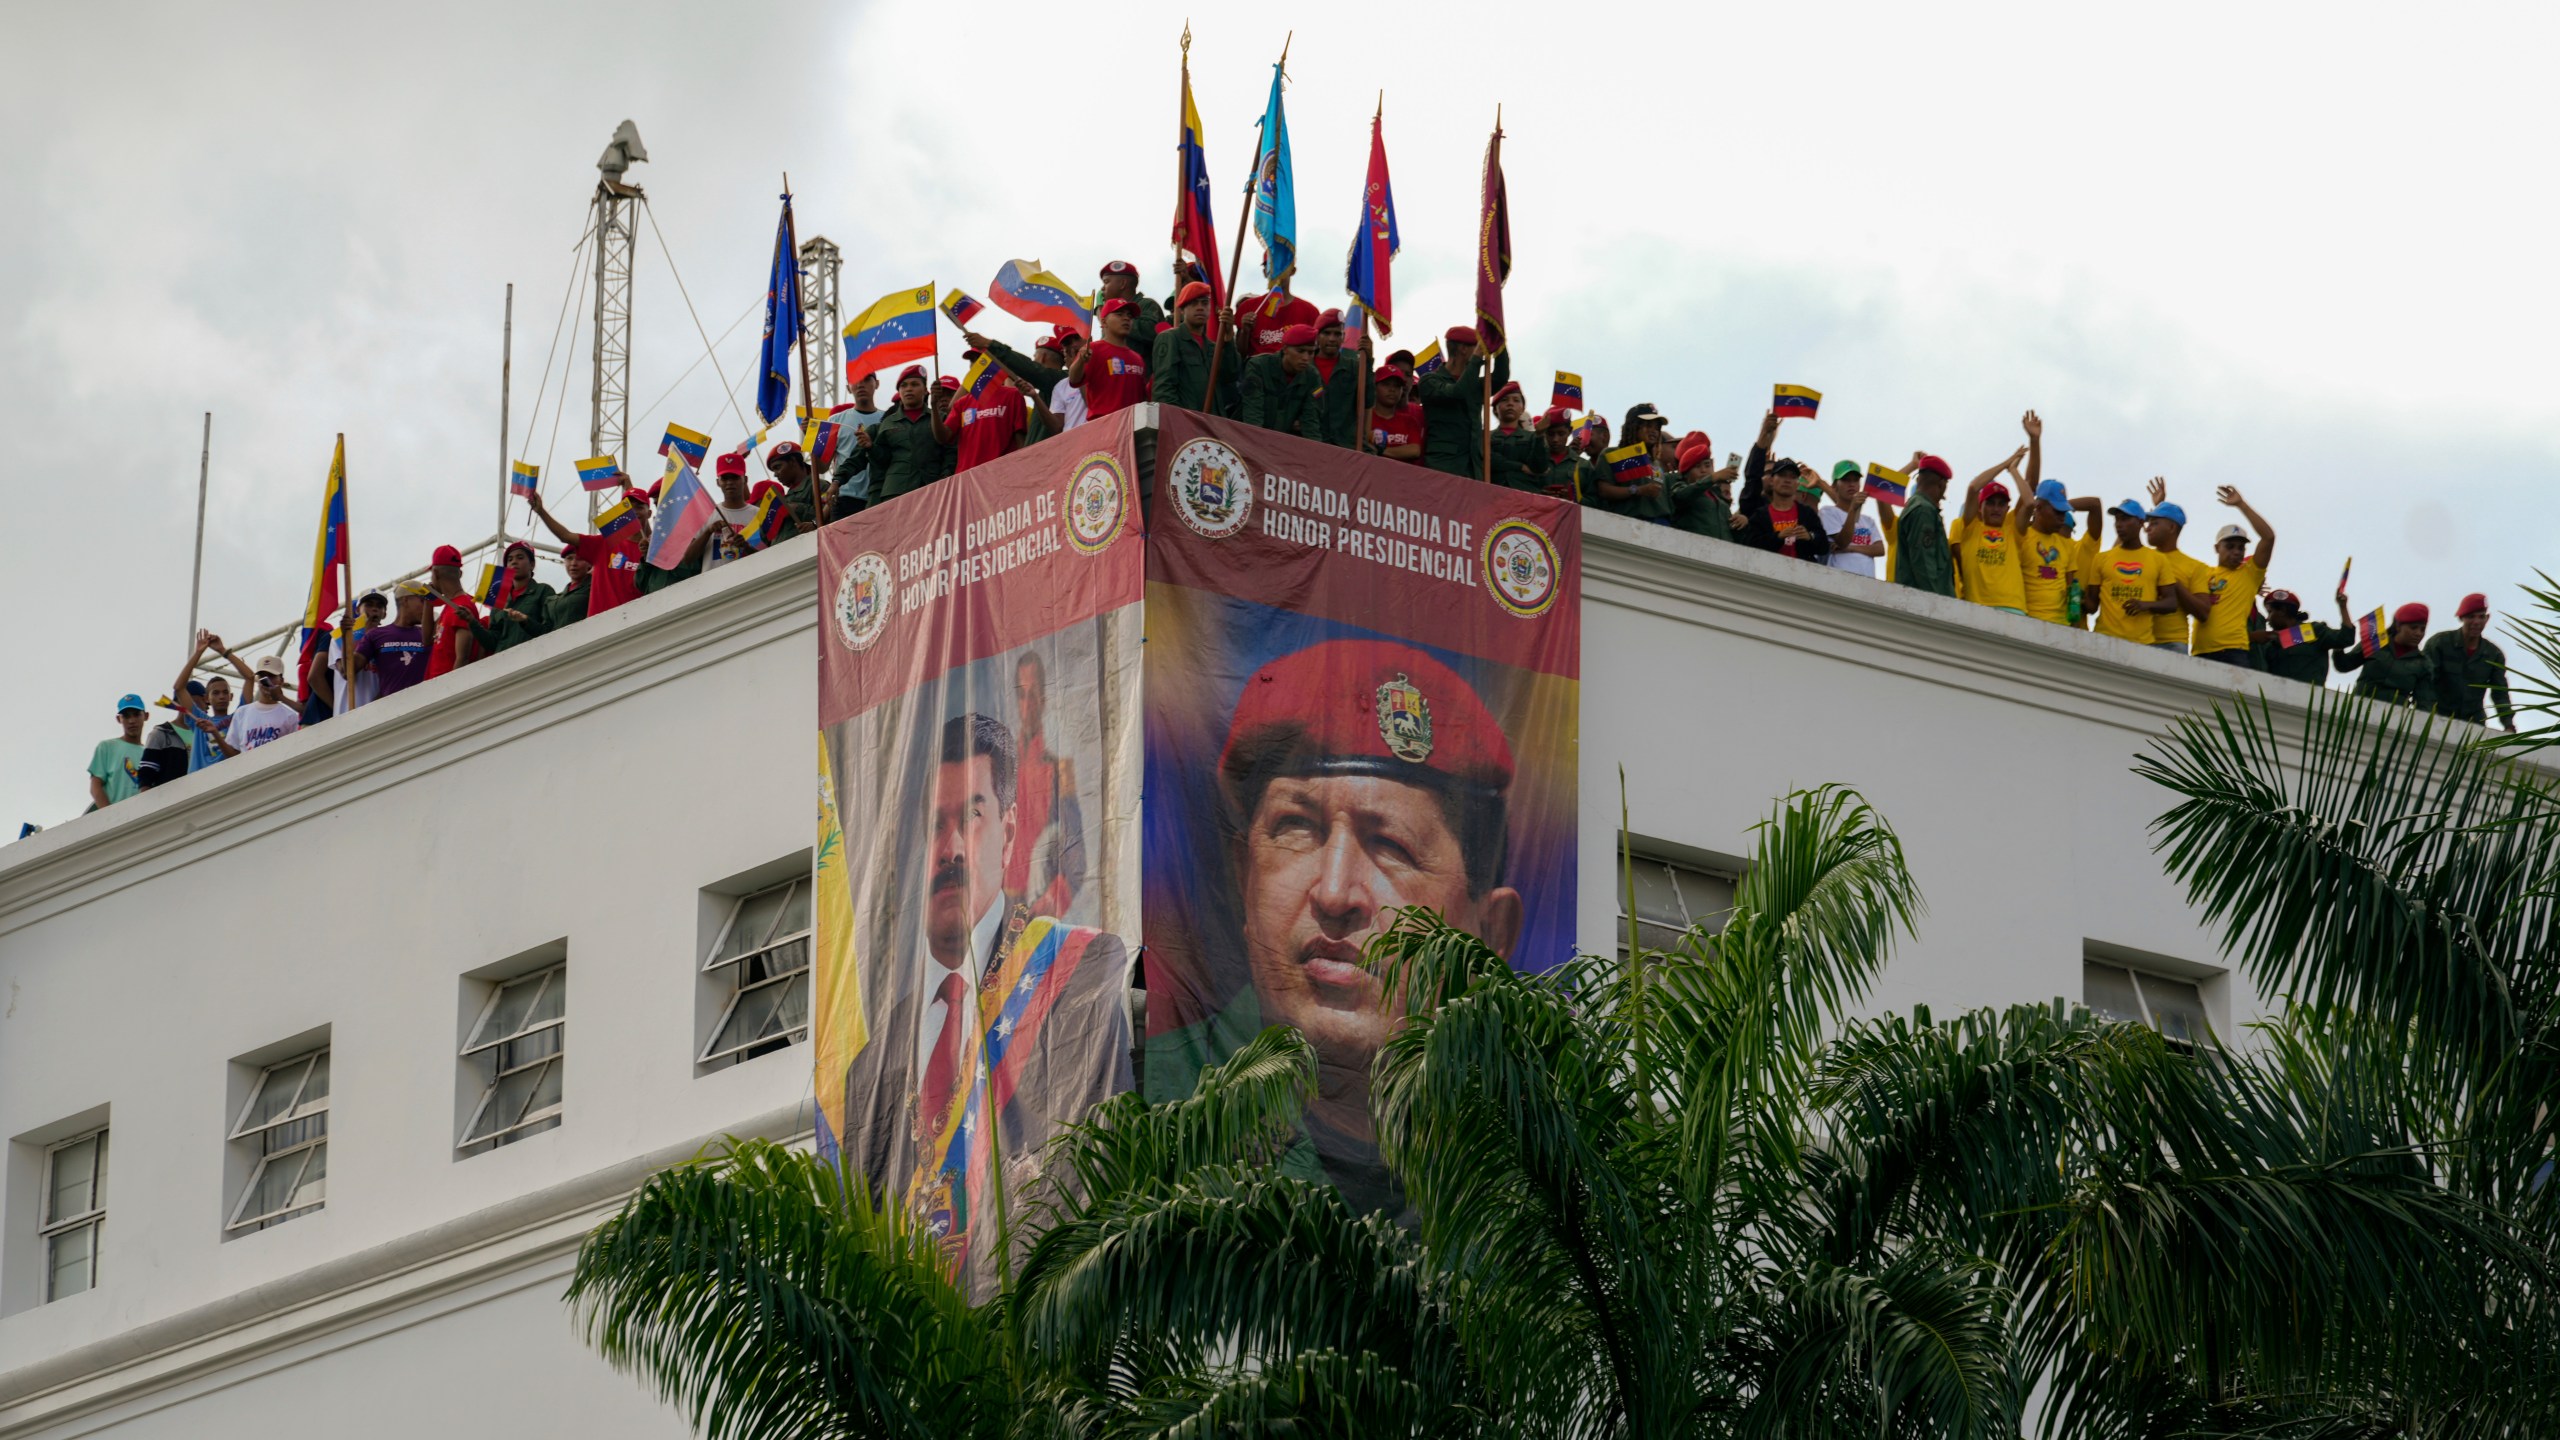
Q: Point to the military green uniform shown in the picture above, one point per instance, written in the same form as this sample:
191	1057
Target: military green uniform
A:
1577	475
2394	678
2465	682
1277	400
1519	459
1698	509
1653	509
566	608
1178	372
505	634
1037	379
653	579
904	454
1342	399
1920	557
2309	661
1453	414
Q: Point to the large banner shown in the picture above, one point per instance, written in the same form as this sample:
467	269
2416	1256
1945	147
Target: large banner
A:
1362	694
977	863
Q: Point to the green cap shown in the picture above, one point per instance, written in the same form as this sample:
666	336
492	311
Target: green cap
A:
1847	469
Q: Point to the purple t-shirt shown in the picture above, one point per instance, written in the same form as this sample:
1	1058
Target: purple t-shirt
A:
398	653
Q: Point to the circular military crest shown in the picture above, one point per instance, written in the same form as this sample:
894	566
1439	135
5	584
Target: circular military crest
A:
863	594
1520	567
1097	503
1211	491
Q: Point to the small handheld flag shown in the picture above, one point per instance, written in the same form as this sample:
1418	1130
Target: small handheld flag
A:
961	306
1428	361
620	517
1568	391
2370	630
487	585
2343	571
766	527
601	473
525	480
1582	429
1630	464
2292	635
1886	483
1794	402
896	330
691	444
982	372
821	433
1026	292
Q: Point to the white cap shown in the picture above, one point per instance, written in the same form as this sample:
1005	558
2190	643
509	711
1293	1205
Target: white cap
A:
2229	532
270	665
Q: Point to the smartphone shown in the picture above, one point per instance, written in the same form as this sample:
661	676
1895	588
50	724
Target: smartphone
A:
1732	458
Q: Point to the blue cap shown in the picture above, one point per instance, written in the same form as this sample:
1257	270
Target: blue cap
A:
195	689
2130	509
132	702
2052	493
2170	511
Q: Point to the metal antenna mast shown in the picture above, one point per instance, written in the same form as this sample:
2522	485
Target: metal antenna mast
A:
617	245
820	265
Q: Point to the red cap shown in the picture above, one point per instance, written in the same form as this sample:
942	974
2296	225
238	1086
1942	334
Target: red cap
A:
2285	598
948	382
1297	335
1196	290
1064	335
916	371
1509	387
2412	613
1328	319
1114	307
731	463
1994	488
445	555
773	457
1932	465
1461	335
1365	707
1558	417
762	488
2474	603
1393	372
970	352
1118	267
639	497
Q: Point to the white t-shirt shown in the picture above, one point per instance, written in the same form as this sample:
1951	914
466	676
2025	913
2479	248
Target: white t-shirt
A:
368	684
1067	403
1832	516
716	552
253	724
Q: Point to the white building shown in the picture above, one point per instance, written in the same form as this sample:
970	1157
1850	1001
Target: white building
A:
389	890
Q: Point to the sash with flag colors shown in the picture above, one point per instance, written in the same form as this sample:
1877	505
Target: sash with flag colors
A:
1794	402
1374	241
685	507
1026	292
1493	249
691	445
781	320
2372	631
1195	235
524	480
600	473
329	555
1886	483
1428	361
618	517
821	434
896	330
1630	464
1568	391
1275	191
961	306
981	372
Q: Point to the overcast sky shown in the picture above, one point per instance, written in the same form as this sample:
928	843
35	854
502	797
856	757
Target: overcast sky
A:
2303	249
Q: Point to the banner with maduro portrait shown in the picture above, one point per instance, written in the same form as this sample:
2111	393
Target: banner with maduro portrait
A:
977	857
1362	694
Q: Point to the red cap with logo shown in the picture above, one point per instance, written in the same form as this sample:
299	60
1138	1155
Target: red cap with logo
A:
730	463
1118	267
1558	418
1365	707
445	555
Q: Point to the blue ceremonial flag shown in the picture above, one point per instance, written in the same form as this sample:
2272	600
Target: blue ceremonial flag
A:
781	321
1275	192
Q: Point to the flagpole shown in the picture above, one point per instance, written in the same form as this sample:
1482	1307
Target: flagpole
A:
347	562
506	391
1235	253
1484	417
204	475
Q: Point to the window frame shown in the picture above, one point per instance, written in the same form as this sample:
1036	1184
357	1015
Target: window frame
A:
478	1044
51	1228
1633	854
302	1150
2150	1019
740	987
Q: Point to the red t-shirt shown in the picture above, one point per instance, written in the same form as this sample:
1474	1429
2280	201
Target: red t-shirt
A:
1115	378
1779	520
1325	364
453	616
987	424
1261	332
1402	428
616	559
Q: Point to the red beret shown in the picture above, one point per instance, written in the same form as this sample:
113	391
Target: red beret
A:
731	463
2412	613
445	555
1558	417
1509	387
1461	335
643	497
1329	319
1694	447
1364	707
1298	335
2474	603
773	457
1118	267
1932	465
1196	290
914	371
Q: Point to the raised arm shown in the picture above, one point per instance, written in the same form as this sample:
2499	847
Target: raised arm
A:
2035	452
1973	491
2230	495
542	513
178	687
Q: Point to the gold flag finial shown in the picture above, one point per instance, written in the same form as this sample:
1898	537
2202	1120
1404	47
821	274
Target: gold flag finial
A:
1186	38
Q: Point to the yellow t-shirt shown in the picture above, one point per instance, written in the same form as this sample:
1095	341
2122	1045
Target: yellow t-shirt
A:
2121	576
1987	563
2174	567
2047	565
2226	625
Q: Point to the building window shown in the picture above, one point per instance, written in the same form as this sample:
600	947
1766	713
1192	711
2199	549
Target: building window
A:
761	959
75	1214
1671	897
286	1126
515	1047
2121	993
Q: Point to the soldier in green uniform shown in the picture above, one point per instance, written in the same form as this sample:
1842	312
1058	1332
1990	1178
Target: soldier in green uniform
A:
900	451
1178	372
2310	658
1281	389
1338	366
1917	533
2401	673
1519	454
2471	671
525	613
1701	496
1570	474
1120	282
570	605
1452	400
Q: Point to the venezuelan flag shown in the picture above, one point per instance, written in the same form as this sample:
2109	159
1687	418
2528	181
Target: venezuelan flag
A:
330	551
2292	635
1195	232
2372	632
525	480
1568	394
981	374
691	444
896	330
1794	402
1886	483
1026	292
623	515
766	527
1629	464
487	585
1428	360
821	433
1582	429
961	306
600	473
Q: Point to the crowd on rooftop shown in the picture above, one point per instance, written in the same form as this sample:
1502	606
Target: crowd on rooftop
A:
2016	541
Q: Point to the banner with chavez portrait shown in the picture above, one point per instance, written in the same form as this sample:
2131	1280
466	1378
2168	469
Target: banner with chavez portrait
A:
1359	690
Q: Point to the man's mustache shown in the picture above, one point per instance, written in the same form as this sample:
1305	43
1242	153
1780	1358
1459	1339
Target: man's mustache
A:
950	875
